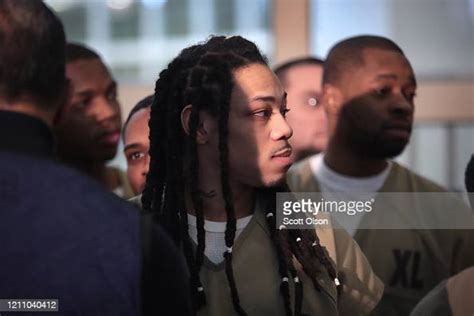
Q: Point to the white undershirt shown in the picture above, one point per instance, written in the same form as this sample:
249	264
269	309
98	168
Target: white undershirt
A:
215	233
355	188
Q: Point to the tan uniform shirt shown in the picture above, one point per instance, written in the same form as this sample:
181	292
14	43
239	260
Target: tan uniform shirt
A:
123	190
409	262
255	269
452	297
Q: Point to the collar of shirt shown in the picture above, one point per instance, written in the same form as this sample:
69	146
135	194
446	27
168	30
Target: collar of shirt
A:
25	134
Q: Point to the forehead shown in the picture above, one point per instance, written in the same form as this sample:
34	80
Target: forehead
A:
255	80
88	73
138	124
303	75
378	61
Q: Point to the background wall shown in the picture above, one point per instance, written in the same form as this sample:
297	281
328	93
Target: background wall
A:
137	38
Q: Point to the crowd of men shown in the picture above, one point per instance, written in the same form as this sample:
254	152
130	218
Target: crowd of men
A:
191	226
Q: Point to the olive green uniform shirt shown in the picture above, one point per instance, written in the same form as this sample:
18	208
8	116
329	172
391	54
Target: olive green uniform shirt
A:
255	268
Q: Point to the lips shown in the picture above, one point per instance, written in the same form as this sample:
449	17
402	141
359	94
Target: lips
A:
283	153
111	137
398	129
399	125
283	157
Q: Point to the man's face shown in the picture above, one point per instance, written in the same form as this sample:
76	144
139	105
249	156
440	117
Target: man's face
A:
136	146
259	152
307	116
376	108
90	127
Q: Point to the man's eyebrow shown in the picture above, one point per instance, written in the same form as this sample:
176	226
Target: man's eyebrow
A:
131	146
268	98
387	76
84	93
395	77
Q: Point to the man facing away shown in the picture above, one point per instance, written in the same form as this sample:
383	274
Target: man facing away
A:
63	236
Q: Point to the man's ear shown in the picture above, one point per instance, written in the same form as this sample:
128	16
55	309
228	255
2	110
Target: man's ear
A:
332	98
203	129
65	102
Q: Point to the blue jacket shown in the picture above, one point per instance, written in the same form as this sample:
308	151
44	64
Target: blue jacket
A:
64	237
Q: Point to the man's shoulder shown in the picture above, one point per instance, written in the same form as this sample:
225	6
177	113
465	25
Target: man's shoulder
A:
300	177
50	185
403	178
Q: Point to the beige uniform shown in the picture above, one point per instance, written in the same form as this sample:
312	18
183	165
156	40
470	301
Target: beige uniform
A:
409	262
451	297
255	269
123	190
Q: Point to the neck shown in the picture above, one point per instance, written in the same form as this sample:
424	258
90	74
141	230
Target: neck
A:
213	204
346	162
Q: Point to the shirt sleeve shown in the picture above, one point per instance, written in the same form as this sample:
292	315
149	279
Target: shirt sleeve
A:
361	288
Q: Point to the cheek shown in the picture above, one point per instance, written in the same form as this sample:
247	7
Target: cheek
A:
247	156
134	177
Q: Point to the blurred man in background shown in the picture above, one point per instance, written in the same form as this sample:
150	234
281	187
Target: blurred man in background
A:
368	94
137	143
302	80
89	130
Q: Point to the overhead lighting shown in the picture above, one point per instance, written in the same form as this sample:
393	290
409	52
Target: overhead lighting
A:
61	5
154	4
119	4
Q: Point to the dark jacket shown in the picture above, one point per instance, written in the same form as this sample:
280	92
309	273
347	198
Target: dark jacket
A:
62	236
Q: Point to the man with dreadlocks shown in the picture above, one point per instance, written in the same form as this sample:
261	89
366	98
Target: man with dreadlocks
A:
218	154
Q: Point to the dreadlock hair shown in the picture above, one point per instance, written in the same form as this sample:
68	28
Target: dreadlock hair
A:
202	75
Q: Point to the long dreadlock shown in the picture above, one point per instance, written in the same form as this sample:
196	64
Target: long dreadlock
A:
202	75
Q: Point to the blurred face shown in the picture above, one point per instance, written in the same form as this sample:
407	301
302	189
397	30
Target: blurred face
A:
259	151
136	145
307	117
90	127
375	111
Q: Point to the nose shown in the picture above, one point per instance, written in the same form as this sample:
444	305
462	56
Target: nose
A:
401	107
280	129
106	109
146	165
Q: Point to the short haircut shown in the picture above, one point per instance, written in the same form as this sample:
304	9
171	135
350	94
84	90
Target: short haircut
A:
347	54
282	69
32	53
142	104
76	51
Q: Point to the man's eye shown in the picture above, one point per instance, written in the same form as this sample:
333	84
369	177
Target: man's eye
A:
312	102
410	96
112	96
136	155
284	111
263	113
383	92
83	103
